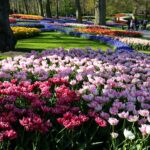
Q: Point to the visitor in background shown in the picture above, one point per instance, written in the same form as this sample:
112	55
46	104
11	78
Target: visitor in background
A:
140	24
136	24
145	22
132	24
128	23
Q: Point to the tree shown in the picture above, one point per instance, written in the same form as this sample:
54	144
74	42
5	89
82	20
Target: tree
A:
57	9
135	6
147	9
7	39
78	11
48	9
100	12
26	5
41	7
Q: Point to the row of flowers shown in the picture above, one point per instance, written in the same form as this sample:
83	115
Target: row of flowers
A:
97	30
136	43
28	17
79	25
30	25
114	24
12	20
24	32
130	40
52	20
75	89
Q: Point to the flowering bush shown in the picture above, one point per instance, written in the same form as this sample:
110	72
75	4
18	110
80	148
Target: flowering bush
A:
67	93
97	30
28	17
24	32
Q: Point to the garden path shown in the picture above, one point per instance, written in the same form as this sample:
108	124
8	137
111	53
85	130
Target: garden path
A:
12	53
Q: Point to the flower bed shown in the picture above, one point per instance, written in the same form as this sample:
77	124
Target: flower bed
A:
30	25
85	25
12	20
28	17
59	95
23	32
97	30
28	21
71	31
76	25
136	43
114	24
118	45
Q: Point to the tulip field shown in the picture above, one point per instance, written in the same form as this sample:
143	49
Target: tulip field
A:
90	88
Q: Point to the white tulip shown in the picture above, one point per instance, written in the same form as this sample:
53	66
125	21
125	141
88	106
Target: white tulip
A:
114	135
148	129
128	134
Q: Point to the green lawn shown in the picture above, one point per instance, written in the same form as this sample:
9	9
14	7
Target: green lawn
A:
48	40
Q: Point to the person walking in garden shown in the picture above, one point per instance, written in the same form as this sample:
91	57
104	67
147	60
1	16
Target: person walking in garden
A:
132	24
145	24
128	23
136	24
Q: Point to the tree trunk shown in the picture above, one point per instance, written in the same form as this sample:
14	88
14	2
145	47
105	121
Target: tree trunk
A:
57	9
41	8
135	7
146	9
48	9
100	12
7	40
134	12
26	6
78	11
38	7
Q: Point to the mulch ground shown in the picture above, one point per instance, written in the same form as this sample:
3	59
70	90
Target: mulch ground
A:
12	53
